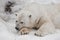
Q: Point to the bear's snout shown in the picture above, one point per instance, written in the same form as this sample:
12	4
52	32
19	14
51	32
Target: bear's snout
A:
17	28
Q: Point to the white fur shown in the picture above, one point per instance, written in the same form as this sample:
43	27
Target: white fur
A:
44	15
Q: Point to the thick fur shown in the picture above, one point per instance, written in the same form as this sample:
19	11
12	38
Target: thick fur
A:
43	17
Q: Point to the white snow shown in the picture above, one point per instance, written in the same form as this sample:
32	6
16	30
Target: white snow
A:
7	29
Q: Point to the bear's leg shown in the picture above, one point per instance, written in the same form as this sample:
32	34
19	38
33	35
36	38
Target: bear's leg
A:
46	28
24	31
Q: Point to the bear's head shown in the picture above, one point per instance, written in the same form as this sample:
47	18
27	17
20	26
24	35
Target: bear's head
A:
25	19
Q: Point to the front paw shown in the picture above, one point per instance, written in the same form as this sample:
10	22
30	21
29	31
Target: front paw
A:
24	31
39	34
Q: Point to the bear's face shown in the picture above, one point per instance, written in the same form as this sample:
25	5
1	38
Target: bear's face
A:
25	19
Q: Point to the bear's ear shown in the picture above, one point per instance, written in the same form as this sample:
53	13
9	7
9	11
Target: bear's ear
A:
16	21
16	14
30	16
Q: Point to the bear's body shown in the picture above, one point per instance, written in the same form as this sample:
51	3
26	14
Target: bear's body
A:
41	16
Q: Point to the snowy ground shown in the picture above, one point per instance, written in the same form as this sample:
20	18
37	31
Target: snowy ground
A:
7	29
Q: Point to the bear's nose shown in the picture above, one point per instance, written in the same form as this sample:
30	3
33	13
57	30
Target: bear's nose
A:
16	28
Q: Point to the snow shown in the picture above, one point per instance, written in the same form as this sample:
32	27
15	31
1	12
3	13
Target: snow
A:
7	28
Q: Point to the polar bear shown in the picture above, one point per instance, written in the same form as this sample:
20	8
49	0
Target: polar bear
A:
37	16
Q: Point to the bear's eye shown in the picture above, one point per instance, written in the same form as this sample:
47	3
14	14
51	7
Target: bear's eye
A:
30	16
21	22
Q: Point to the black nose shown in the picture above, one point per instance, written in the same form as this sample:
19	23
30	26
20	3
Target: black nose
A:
16	28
